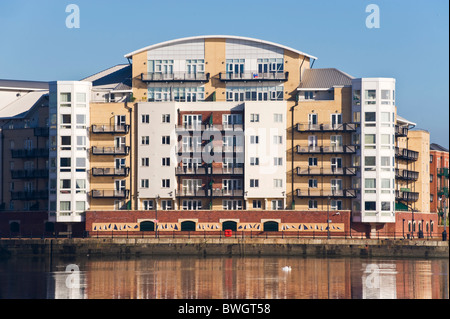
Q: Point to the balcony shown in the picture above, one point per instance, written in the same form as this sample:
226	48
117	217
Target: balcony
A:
175	77
29	195
443	191
334	193
344	171
228	171
29	174
405	154
124	193
31	153
442	172
190	170
192	193
406	175
343	127
227	192
401	131
406	196
110	129
347	149
204	127
124	171
254	76
124	150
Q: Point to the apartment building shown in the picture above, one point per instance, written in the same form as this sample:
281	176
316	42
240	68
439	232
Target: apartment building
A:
439	166
224	124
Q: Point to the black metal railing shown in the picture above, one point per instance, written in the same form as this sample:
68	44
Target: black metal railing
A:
312	192
101	171
341	127
110	129
124	193
28	153
29	173
174	77
123	150
254	76
311	170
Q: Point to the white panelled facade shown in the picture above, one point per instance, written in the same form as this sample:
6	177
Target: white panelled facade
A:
156	150
265	153
69	145
374	109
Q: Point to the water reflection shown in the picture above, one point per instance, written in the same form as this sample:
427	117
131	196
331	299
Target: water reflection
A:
224	278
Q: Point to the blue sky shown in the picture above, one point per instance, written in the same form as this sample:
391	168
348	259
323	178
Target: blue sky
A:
411	45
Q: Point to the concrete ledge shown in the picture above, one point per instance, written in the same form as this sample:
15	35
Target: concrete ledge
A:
224	246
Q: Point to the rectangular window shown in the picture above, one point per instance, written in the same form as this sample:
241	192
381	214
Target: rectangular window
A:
145	118
278	118
145	161
254	139
370	161
165	161
254	161
166	118
166	204
370	140
277	183
277	204
65	184
165	183
65	98
147	204
254	118
312	204
145	140
370	117
370	183
165	140
386	206
277	161
254	183
144	183
312	161
278	140
64	206
257	203
312	183
371	206
371	94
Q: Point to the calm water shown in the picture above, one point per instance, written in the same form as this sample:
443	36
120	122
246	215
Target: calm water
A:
223	278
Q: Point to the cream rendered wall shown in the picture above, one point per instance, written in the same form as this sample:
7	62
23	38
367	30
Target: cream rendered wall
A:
266	150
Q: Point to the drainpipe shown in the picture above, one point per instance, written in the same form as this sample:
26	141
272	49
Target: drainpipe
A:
292	141
130	110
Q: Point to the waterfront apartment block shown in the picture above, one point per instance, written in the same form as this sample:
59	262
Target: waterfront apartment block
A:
439	182
212	123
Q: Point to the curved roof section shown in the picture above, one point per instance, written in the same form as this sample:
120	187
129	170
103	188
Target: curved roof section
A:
167	43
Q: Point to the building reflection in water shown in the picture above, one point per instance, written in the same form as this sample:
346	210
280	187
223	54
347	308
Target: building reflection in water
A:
254	278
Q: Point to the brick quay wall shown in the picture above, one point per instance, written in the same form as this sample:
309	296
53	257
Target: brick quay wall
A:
199	246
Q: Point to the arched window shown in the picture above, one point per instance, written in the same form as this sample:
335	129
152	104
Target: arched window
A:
231	225
14	227
409	226
270	226
188	226
147	226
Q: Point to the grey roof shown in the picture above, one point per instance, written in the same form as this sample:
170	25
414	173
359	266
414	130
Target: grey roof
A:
112	78
19	108
324	79
19	84
437	147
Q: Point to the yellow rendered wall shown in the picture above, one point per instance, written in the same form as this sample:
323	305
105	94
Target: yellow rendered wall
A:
215	63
